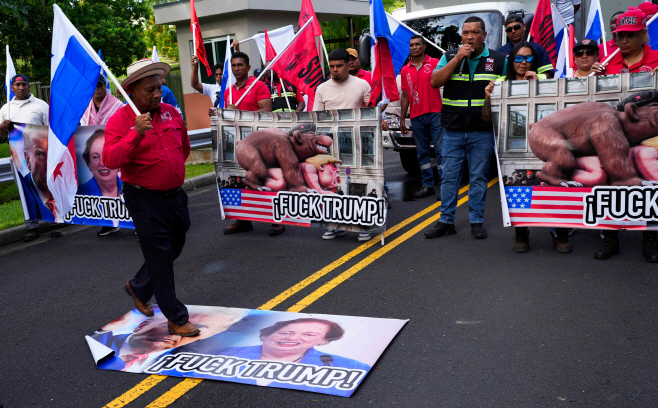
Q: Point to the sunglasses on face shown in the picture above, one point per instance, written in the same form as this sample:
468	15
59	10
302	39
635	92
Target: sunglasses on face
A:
580	53
513	28
519	58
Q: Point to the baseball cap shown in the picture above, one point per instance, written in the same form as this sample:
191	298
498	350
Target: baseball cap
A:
352	52
632	20
586	43
649	9
514	18
19	77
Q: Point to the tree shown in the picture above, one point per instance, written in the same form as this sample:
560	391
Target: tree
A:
113	26
163	37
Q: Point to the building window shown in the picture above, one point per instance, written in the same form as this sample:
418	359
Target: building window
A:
228	143
326	131
346	145
516	137
368	146
215	52
543	110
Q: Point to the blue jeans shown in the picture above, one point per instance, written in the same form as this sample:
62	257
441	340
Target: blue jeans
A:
427	129
476	147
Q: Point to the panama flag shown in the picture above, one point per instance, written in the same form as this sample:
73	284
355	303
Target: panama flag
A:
594	27
390	48
228	79
10	73
154	56
652	29
74	71
561	44
104	74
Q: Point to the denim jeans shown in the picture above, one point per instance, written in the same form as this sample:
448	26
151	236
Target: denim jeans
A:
427	129
477	148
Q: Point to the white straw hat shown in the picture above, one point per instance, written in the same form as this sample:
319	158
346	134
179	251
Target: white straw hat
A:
144	68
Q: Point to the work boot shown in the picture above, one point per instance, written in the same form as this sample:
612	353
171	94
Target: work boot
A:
561	240
440	229
650	248
478	231
276	229
186	330
610	245
521	240
238	226
425	191
31	235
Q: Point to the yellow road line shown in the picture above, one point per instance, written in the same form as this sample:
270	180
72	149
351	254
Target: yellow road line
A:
324	289
173	394
132	394
322	272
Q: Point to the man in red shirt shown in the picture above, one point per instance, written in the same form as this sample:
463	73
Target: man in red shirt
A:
425	102
150	149
355	67
258	99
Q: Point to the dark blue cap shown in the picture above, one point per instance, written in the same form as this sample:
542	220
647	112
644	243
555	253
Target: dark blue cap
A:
19	77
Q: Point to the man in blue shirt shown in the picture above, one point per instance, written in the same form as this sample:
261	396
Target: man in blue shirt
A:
516	32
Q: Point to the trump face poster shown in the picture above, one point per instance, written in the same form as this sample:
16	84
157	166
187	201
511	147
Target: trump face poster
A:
327	354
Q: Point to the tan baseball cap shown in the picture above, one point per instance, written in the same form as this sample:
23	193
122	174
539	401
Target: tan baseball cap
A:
352	52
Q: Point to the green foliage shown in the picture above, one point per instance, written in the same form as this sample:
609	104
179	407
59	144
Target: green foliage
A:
162	36
193	170
11	214
114	26
4	150
16	10
8	192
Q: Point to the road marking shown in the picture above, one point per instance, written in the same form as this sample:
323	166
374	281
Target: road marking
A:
132	394
173	394
324	289
181	388
322	272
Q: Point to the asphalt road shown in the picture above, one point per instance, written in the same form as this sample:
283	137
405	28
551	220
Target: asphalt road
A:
487	327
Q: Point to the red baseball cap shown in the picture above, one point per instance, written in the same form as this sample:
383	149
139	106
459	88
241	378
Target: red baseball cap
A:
632	20
649	9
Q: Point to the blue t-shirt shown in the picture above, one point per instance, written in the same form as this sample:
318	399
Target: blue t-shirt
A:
544	64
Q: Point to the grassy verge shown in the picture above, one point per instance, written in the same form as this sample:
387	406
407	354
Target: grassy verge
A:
11	213
4	150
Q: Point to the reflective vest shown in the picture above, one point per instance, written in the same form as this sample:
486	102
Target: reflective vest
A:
463	99
279	96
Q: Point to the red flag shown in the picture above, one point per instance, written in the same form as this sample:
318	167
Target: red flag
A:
572	43
196	32
299	64
542	29
384	84
269	49
306	14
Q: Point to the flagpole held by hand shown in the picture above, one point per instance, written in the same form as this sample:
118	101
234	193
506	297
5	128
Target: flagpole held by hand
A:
607	60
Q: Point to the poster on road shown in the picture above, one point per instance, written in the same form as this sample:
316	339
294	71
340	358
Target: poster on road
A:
98	200
579	153
289	168
328	354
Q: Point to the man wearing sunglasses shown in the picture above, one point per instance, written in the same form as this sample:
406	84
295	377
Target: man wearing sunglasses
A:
585	54
516	32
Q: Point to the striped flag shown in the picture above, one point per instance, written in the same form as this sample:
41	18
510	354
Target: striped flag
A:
530	206
253	205
9	74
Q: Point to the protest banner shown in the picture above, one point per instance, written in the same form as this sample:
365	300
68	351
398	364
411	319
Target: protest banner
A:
327	354
285	167
579	152
98	199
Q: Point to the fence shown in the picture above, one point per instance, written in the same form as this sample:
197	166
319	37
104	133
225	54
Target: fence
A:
36	88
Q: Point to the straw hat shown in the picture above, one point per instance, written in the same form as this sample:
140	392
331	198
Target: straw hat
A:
144	68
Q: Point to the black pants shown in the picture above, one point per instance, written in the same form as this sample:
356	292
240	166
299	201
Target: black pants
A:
161	223
562	233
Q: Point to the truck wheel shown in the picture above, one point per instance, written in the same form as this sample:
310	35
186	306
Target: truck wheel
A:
409	161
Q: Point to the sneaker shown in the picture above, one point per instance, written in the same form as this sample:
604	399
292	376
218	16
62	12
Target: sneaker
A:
522	242
440	229
478	231
650	249
610	247
107	231
364	236
331	234
425	191
31	235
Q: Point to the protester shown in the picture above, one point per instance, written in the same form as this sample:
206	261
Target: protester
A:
425	101
355	67
516	32
568	9
635	54
168	97
610	45
585	54
649	9
101	107
522	63
465	73
343	91
150	150
209	90
27	109
280	90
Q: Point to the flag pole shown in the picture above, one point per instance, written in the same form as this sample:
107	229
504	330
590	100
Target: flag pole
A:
269	66
230	86
283	87
326	54
8	90
120	88
415	32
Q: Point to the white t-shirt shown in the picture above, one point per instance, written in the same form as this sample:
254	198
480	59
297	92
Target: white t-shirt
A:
211	91
565	7
31	111
350	94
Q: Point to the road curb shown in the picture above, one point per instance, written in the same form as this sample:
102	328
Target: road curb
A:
16	234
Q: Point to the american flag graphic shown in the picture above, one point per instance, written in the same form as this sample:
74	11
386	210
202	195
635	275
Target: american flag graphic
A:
253	205
555	207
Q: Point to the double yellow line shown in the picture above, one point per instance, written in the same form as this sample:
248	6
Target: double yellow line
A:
184	386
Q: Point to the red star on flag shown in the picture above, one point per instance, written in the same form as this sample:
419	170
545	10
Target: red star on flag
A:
58	170
637	98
